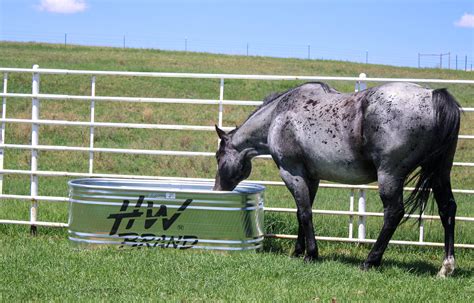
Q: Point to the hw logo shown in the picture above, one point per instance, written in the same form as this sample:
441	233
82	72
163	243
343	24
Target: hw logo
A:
131	215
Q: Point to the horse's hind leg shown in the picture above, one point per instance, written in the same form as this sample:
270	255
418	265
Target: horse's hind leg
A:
391	193
300	241
300	188
447	212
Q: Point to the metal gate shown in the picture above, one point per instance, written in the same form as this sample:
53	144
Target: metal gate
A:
357	193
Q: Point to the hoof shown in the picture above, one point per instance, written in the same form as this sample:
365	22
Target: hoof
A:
296	254
367	265
447	268
310	259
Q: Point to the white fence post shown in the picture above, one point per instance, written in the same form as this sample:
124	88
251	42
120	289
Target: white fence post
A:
422	228
351	217
361	84
362	218
221	107
4	116
221	98
34	152
91	137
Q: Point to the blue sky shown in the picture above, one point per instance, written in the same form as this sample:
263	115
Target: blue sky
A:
392	32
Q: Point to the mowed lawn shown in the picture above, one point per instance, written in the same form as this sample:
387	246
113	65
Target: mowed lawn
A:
48	267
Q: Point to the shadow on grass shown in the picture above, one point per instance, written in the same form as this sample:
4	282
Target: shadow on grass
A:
413	267
418	268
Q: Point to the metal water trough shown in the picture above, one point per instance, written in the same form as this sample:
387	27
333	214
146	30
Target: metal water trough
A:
167	214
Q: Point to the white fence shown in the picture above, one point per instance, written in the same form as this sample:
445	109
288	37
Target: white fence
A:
356	192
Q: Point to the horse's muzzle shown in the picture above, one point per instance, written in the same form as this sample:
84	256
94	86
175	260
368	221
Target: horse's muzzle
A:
223	186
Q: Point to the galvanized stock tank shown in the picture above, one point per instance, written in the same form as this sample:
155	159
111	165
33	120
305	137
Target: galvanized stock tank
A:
167	214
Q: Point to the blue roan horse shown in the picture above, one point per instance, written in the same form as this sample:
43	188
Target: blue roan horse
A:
382	134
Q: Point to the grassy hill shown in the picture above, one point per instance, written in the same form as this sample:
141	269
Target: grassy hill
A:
408	271
106	58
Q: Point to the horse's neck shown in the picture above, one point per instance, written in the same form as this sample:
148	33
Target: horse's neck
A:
254	132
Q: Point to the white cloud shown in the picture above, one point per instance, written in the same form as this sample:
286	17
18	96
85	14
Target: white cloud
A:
467	20
62	6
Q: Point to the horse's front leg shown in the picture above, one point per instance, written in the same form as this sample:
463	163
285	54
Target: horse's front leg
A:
391	193
303	191
300	241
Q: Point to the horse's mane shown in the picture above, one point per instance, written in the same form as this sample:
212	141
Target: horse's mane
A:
276	95
325	87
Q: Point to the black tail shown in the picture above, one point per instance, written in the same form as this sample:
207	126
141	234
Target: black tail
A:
448	115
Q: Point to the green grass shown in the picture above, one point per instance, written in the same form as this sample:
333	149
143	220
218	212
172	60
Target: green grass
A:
47	267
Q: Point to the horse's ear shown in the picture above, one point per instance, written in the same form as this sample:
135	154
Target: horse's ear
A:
222	134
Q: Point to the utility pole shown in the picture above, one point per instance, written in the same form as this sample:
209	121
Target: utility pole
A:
247	49
418	60
124	41
309	52
456	62
465	64
65	39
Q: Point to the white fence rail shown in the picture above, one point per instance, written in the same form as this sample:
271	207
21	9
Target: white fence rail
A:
356	192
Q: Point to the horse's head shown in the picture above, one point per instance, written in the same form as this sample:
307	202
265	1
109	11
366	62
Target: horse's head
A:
233	166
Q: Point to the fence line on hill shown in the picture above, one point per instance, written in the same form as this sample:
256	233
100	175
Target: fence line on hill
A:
307	51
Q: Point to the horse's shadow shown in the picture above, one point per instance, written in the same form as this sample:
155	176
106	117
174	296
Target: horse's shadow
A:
418	268
414	267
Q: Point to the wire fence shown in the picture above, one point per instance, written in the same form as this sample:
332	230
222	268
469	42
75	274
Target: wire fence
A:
308	51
